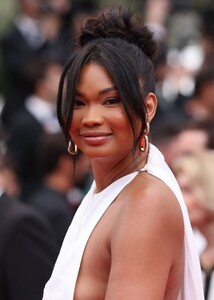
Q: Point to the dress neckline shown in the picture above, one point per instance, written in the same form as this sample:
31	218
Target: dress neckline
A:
121	179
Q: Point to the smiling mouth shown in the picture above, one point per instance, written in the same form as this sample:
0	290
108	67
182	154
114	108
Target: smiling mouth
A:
96	138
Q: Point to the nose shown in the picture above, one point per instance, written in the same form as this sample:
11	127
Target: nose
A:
93	116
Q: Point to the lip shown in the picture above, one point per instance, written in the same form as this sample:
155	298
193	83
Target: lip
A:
94	134
95	138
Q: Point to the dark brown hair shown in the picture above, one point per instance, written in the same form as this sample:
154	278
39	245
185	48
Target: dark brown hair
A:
121	43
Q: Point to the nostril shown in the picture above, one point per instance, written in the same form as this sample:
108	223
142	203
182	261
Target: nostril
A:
92	117
92	122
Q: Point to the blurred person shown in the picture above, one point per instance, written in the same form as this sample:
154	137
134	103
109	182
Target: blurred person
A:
184	57
161	71
27	248
195	137
207	34
56	19
9	177
20	44
201	105
10	180
29	123
50	198
164	137
61	7
175	140
81	10
171	81
156	15
195	173
37	32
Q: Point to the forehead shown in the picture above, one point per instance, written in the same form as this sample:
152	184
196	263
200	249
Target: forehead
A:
191	141
94	75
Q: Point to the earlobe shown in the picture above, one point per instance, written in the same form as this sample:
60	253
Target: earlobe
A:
151	106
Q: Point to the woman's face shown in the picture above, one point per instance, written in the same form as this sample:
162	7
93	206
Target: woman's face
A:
100	126
198	214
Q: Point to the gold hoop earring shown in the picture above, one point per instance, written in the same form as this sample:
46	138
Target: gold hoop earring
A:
144	145
72	148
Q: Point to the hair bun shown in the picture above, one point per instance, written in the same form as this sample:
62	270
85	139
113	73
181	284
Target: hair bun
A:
120	23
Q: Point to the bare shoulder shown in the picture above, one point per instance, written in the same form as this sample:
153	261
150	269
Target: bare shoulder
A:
148	200
146	241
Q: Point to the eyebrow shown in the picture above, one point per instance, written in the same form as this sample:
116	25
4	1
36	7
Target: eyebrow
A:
104	91
113	88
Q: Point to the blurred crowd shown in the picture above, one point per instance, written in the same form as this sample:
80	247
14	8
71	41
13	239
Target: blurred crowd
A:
37	171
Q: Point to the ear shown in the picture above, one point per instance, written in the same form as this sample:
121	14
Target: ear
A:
151	106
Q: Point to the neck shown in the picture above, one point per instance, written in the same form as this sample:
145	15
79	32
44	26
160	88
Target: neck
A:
107	171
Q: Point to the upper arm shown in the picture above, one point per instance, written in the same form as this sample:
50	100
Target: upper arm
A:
143	248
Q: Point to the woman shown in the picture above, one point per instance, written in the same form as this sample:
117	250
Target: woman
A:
130	238
195	175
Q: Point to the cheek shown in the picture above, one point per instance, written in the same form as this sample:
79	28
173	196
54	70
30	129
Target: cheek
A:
119	120
123	130
72	128
75	124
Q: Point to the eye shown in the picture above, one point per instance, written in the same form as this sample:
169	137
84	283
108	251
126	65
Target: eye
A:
111	101
78	103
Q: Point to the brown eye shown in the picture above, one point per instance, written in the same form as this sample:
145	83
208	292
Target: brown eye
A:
111	101
78	103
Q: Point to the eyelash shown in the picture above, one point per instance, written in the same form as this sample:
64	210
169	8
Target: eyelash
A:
109	101
78	103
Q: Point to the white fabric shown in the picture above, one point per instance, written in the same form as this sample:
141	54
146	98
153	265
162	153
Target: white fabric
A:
62	282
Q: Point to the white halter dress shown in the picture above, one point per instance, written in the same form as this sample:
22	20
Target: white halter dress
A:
61	285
